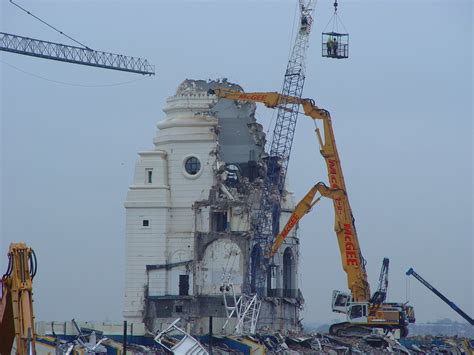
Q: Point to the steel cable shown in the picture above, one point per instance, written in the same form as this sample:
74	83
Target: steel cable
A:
47	24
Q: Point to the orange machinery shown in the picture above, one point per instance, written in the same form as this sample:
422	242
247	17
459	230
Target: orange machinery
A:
16	302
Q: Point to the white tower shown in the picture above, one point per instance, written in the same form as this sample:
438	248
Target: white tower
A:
189	211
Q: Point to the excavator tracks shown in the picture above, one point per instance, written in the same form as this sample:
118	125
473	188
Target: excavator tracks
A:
347	329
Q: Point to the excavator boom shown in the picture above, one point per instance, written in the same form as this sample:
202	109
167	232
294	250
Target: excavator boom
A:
16	303
363	311
352	261
302	208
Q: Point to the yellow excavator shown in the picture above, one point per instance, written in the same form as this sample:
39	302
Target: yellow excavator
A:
16	303
363	311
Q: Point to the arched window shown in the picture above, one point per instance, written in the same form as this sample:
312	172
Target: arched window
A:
289	274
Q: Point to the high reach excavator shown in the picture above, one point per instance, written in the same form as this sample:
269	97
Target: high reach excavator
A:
363	311
16	303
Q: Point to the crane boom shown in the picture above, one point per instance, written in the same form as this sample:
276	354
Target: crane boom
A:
71	54
267	222
380	295
284	130
440	295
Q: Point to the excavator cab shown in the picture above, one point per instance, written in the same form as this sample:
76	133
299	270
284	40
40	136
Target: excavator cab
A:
358	312
340	301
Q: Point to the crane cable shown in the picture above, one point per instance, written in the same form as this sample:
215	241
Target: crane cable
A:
50	26
336	20
71	84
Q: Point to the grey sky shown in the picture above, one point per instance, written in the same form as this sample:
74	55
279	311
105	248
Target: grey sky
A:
402	112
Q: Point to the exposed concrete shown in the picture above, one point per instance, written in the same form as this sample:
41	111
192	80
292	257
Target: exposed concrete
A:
241	138
190	87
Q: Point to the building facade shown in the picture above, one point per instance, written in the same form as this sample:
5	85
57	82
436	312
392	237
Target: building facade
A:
189	214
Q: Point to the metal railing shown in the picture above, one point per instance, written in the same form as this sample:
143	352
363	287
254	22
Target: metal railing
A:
341	51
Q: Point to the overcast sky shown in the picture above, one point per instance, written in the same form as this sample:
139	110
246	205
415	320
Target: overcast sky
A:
402	113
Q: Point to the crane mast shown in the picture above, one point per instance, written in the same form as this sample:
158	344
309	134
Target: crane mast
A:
267	222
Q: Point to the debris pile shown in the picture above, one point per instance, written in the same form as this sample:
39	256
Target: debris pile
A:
326	344
439	344
316	343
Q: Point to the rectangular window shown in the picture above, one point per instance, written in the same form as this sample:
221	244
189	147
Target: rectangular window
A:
184	285
219	221
252	155
178	309
149	176
146	223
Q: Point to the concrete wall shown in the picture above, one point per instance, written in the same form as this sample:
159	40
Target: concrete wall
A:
167	202
145	242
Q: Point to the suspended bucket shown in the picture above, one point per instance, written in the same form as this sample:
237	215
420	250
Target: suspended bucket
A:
335	39
335	45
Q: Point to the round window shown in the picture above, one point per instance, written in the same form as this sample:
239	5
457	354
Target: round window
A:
192	165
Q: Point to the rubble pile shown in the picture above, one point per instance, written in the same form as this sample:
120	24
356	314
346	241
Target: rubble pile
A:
371	344
327	344
175	340
316	343
439	344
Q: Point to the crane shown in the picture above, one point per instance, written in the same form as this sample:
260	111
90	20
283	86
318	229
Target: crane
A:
71	54
440	295
16	302
380	295
363	311
266	224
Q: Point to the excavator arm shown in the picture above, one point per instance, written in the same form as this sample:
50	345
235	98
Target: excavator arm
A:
352	261
16	303
302	208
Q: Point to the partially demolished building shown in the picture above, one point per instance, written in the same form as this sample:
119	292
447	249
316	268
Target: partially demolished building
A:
189	216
